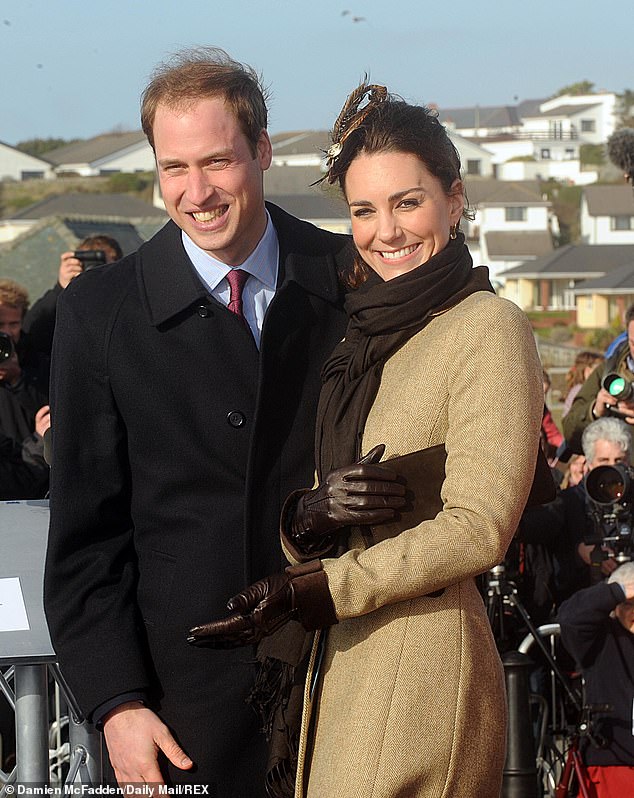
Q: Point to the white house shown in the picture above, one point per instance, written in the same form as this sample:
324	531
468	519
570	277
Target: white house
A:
513	223
17	165
104	155
607	214
545	135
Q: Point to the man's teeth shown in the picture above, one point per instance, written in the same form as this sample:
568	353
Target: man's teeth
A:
400	253
208	216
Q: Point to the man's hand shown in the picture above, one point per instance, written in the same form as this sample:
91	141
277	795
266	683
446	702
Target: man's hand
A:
134	736
605	402
69	267
608	565
42	420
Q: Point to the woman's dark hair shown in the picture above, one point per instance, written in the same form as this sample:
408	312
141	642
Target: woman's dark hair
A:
373	121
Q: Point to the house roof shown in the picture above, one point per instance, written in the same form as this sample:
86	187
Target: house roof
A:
518	244
480	116
616	281
503	192
566	110
609	200
120	205
312	206
292	180
301	142
529	108
575	261
32	259
93	149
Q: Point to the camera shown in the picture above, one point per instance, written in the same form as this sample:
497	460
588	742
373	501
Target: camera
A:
90	257
611	491
618	387
7	347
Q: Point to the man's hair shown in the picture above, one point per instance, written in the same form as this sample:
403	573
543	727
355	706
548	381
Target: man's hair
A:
200	73
14	295
100	241
605	429
624	573
629	315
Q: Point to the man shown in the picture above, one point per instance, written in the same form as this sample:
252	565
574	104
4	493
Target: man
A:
39	322
179	429
597	628
593	401
23	399
561	527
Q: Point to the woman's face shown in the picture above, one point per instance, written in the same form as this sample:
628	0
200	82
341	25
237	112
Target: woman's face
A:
400	212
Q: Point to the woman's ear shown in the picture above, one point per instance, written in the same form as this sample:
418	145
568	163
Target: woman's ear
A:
456	200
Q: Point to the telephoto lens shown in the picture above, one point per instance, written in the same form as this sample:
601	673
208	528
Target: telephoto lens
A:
618	387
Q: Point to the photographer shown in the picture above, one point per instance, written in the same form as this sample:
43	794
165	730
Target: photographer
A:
39	322
554	534
597	629
23	399
593	400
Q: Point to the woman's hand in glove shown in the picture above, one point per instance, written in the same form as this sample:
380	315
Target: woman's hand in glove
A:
359	494
300	592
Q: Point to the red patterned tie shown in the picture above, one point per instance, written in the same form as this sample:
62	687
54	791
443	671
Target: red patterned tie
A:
237	279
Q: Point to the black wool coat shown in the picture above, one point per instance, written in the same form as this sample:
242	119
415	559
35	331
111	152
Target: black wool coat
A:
174	445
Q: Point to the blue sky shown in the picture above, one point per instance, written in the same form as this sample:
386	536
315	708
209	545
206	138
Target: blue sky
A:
76	68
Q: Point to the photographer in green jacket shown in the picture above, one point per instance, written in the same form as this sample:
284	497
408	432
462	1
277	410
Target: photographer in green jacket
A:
594	400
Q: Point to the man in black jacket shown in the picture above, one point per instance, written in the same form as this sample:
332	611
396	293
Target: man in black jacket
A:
597	628
182	416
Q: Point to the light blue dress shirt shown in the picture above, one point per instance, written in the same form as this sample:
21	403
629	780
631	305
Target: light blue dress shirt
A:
262	264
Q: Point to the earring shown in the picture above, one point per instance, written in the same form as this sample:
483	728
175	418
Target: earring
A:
453	232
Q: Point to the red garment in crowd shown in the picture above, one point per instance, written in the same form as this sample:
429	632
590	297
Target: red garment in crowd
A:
610	781
550	429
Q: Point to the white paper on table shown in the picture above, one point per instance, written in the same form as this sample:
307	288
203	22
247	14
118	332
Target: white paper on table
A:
13	616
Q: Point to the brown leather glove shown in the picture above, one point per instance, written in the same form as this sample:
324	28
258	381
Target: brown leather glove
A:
359	494
300	593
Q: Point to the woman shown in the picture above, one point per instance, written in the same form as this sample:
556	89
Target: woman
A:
585	363
405	692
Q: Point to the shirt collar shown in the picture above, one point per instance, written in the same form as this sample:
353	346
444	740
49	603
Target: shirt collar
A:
262	263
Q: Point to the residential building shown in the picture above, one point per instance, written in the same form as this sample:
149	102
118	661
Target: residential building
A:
607	214
554	281
93	206
539	139
18	165
513	223
107	154
32	259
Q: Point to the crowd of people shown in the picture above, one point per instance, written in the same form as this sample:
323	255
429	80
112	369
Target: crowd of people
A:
199	384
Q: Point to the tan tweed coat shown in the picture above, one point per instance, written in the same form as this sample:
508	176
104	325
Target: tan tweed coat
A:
411	701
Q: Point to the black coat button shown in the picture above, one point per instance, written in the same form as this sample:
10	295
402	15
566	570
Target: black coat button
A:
203	311
236	418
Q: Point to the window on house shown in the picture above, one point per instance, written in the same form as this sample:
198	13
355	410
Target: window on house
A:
474	167
544	154
588	126
569	153
621	223
32	175
515	213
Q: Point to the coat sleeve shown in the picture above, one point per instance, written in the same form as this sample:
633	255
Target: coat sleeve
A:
91	570
584	619
493	425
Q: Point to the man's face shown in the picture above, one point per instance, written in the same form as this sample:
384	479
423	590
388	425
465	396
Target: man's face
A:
11	321
607	453
211	182
625	613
